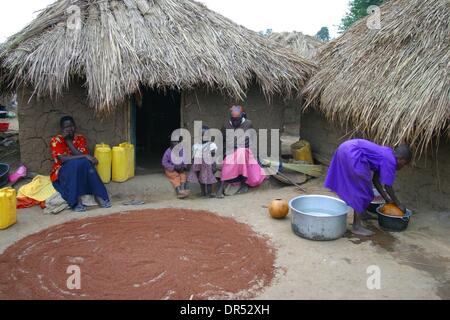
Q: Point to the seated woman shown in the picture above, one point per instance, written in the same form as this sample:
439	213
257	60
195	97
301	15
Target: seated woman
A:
239	164
73	174
356	165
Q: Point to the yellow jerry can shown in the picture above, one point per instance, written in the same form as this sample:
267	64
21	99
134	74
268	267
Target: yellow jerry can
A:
119	164
301	151
8	203
131	158
103	154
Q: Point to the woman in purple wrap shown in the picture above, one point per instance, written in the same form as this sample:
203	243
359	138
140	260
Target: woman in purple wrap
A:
359	164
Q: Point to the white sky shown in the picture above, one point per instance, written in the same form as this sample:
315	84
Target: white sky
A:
307	16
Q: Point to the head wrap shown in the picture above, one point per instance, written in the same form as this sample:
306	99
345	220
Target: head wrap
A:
237	111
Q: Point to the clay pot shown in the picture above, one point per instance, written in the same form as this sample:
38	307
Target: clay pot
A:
278	209
391	209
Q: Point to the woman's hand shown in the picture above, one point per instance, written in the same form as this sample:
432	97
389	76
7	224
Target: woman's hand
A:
66	135
394	198
379	187
402	207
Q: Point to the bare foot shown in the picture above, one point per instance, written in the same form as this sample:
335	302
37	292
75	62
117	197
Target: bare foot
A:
361	231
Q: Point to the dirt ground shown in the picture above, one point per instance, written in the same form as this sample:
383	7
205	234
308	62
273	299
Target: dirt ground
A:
413	264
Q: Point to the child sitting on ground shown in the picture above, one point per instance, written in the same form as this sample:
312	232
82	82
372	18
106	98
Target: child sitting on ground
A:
176	173
202	169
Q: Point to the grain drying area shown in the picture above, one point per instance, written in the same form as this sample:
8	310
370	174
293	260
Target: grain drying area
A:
99	199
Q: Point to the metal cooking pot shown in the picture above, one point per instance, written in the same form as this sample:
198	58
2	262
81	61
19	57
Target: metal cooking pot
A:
318	217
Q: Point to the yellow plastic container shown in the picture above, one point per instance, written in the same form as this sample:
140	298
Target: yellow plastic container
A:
8	203
119	164
103	153
301	151
131	158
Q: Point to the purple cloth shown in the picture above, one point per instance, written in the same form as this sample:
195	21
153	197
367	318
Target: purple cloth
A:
167	160
351	171
202	173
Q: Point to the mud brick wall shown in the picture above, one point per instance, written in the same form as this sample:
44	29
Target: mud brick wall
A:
426	181
292	117
39	122
4	100
213	109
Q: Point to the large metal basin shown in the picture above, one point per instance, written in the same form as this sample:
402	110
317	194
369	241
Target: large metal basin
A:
317	217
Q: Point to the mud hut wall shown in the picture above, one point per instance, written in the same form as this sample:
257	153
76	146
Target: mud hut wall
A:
292	116
39	122
426	182
212	108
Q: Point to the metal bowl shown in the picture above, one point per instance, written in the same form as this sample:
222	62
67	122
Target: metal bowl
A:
317	217
373	206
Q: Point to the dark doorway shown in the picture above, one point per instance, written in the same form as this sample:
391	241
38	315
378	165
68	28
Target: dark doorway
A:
156	119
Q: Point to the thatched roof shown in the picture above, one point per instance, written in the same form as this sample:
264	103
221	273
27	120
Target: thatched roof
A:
393	83
302	44
157	43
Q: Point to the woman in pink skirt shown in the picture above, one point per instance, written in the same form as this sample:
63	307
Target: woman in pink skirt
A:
240	164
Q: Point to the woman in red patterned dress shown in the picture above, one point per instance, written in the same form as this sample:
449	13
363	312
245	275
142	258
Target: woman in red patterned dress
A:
73	173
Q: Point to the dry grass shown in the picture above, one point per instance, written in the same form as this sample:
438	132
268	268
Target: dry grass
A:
156	43
302	44
392	84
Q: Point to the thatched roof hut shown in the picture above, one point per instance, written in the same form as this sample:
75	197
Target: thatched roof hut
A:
393	84
302	44
121	45
147	67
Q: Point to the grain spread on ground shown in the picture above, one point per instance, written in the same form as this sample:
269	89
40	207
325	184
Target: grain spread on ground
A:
151	254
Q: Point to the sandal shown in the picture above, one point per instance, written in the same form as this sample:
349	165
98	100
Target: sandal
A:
80	208
105	204
183	194
243	189
134	203
219	196
232	189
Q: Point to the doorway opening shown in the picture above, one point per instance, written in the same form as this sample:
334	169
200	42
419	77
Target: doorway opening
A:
155	119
